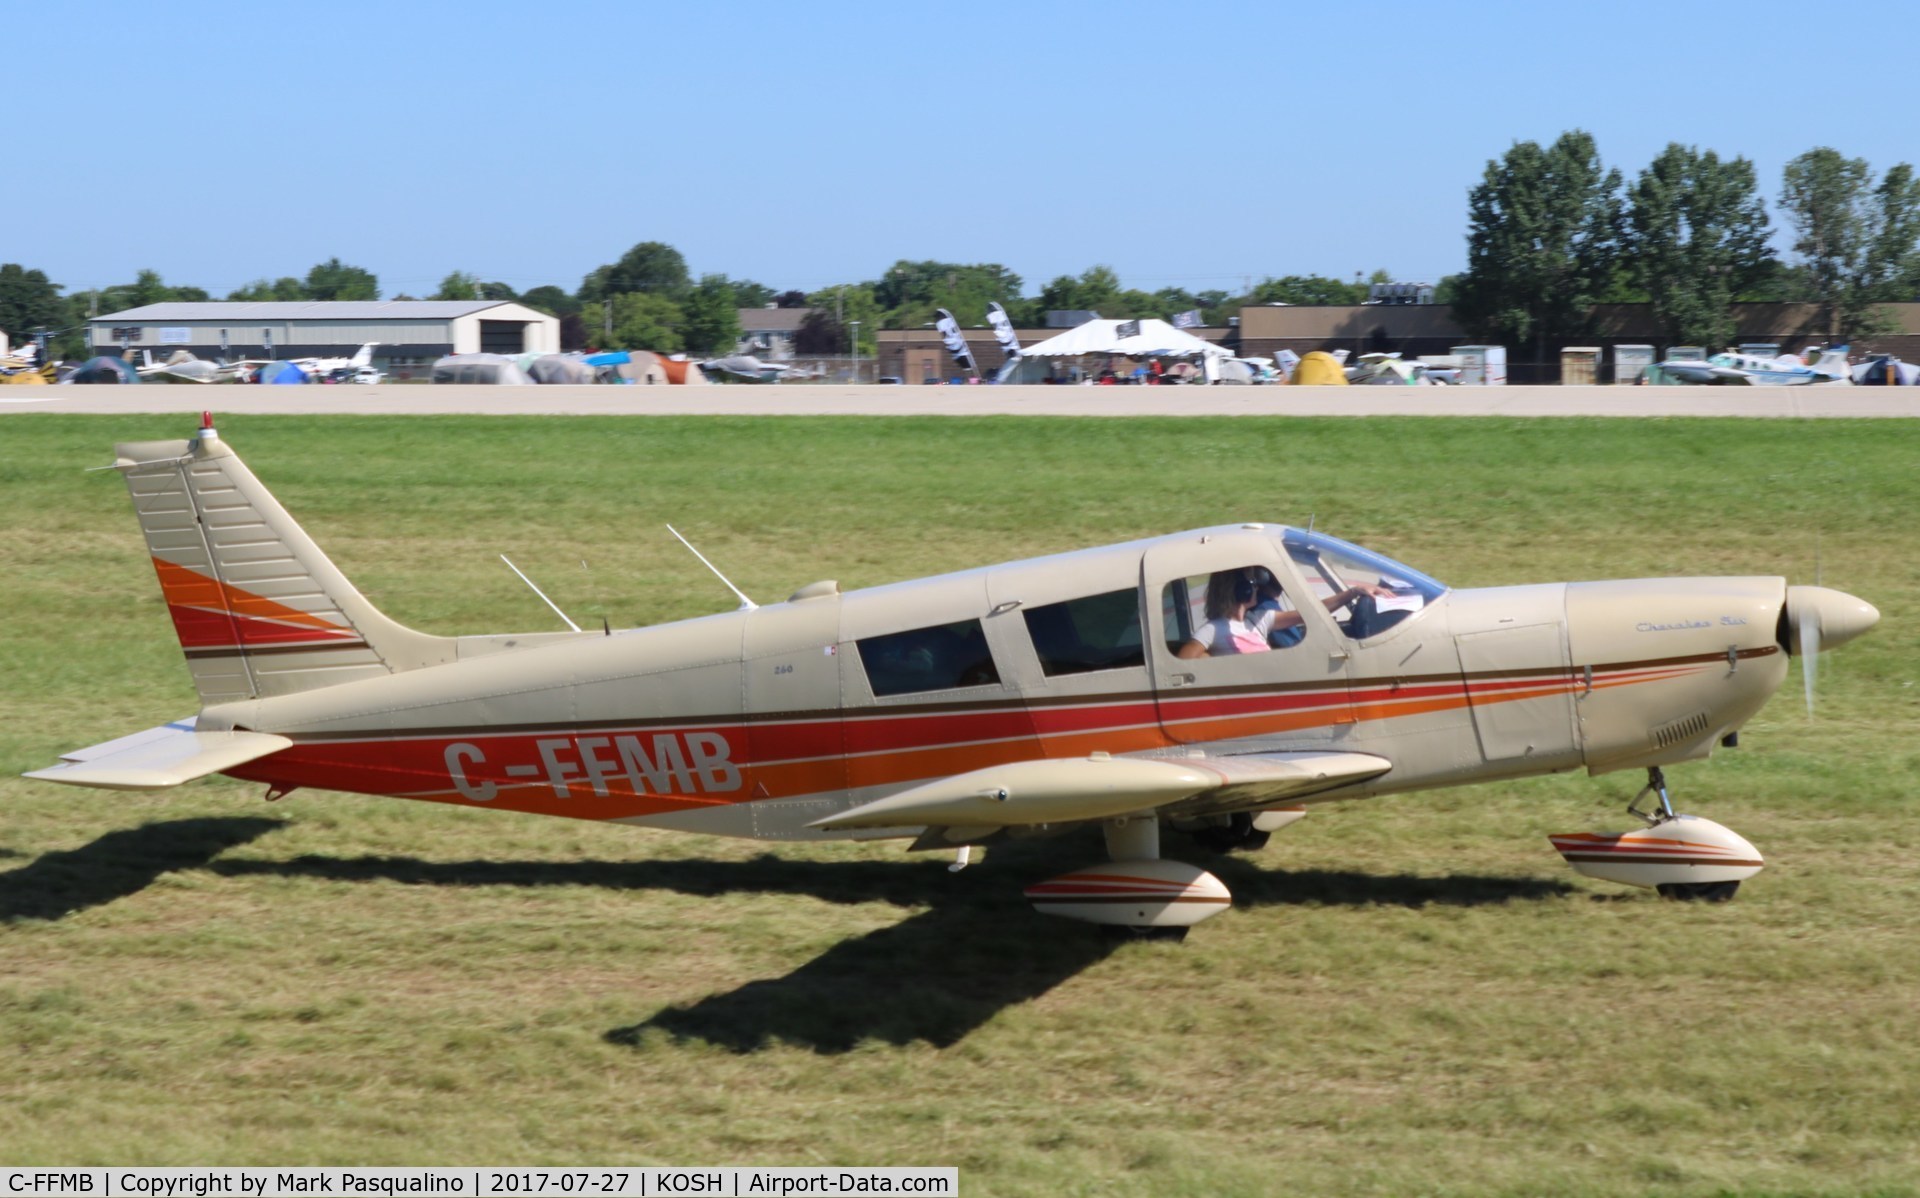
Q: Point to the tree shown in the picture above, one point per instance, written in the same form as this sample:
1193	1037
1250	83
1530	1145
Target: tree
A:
286	288
29	302
458	286
711	323
749	294
911	293
652	267
1307	290
1856	238
848	302
334	280
640	321
791	299
819	335
551	300
1696	238
1543	234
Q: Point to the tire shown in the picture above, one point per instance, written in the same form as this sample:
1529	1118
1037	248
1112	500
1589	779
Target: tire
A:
1698	892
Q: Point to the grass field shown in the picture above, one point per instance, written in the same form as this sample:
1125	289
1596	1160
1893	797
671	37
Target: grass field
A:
1411	996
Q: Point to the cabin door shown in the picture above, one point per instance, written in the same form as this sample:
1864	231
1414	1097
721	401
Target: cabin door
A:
1292	689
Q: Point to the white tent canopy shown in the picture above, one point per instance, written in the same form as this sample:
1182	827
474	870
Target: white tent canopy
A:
1154	338
1103	337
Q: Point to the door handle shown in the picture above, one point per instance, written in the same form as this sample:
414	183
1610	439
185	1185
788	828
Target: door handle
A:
1180	680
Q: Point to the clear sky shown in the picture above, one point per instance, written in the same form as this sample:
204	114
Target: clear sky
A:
801	145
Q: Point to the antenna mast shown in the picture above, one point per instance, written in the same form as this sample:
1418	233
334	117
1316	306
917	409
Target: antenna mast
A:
746	604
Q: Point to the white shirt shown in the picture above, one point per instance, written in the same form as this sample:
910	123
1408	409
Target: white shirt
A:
1226	635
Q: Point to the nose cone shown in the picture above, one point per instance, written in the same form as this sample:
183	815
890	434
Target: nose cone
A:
1835	617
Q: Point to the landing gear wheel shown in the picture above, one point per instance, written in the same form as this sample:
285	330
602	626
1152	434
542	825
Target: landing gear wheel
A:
1240	834
1114	931
1698	892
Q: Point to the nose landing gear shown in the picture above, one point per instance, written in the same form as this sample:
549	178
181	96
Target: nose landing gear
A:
1682	857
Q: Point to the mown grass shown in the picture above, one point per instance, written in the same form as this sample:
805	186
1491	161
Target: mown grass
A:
1411	996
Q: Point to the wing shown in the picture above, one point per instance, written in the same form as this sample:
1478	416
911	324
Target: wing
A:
1073	789
160	757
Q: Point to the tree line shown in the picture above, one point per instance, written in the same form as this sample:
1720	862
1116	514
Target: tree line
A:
1551	232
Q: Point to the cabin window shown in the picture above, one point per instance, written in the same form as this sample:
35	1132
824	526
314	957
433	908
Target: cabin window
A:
944	657
1079	636
1228	612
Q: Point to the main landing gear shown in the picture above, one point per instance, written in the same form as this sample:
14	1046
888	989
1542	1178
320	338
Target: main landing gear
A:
1138	895
1682	857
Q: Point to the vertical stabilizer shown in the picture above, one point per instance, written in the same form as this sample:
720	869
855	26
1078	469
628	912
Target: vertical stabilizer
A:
259	609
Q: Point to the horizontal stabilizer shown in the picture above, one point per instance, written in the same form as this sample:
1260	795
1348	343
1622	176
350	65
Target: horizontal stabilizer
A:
160	757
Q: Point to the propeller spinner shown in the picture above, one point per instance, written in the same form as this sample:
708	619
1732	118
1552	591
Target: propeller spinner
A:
1818	618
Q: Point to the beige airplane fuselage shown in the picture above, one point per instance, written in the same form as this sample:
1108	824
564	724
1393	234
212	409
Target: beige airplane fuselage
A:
758	723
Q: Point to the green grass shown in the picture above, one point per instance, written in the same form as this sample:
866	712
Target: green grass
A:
1410	996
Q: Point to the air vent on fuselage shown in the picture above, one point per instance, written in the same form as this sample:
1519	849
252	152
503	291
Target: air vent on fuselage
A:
1674	731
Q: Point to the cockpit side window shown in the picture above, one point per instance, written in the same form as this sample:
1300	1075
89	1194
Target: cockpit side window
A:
1227	612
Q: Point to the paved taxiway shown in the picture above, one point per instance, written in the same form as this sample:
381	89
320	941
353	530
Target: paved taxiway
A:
821	400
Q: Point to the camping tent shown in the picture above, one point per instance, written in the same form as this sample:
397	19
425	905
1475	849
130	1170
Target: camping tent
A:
1320	368
104	370
1144	338
282	372
560	368
479	368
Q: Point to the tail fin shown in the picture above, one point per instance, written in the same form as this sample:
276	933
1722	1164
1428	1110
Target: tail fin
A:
1833	362
363	356
259	609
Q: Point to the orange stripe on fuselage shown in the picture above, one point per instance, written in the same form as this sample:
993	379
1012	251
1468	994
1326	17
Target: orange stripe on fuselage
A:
417	767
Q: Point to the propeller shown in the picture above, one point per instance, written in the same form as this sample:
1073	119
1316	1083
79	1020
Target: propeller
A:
1816	617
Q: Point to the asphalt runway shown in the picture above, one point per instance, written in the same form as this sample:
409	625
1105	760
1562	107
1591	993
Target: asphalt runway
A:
415	399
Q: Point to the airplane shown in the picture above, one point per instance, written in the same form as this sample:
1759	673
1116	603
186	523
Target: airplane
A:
1757	370
361	361
747	368
1010	701
181	366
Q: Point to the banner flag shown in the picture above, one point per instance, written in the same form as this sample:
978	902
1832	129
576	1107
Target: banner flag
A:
1127	328
1187	320
1003	329
956	341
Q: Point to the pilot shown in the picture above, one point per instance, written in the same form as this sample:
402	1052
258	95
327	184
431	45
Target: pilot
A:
1244	614
1232	626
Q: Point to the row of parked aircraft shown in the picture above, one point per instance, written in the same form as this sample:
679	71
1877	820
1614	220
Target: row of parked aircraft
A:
184	367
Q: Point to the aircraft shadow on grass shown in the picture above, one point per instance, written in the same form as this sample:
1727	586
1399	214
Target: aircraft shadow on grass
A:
934	977
119	865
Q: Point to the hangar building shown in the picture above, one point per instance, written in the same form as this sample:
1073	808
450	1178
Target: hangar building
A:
411	333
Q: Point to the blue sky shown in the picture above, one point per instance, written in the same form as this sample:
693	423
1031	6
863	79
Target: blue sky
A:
802	145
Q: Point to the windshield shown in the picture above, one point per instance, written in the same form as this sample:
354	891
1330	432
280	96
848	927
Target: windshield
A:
1391	592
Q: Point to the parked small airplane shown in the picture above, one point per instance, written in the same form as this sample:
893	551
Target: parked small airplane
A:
181	366
320	368
1213	682
1755	370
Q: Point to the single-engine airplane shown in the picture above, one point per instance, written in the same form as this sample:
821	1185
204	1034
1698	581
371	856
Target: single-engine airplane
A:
1214	682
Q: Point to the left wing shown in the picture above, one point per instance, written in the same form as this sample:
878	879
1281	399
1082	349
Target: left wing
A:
1072	789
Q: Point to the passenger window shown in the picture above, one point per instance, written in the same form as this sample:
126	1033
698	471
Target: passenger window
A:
946	657
1079	636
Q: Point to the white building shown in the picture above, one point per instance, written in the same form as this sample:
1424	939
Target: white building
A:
411	333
